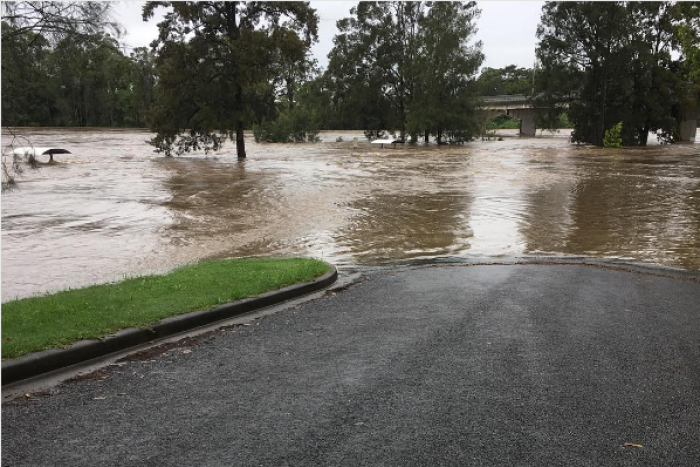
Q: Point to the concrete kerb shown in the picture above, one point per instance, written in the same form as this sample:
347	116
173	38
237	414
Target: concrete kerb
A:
46	361
649	269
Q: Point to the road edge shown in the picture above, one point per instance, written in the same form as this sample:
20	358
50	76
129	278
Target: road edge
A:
46	361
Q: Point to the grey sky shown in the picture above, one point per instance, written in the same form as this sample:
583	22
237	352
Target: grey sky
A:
506	28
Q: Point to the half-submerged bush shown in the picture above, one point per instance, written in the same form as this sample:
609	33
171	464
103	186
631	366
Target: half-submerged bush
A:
613	137
295	125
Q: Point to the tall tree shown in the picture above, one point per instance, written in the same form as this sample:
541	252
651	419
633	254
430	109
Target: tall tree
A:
447	65
26	99
583	41
135	101
613	62
687	15
215	65
292	66
687	35
657	91
373	64
89	82
404	66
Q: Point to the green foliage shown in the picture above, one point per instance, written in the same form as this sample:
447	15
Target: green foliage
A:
185	143
220	65
73	82
505	81
446	66
627	71
295	125
405	66
613	137
59	319
49	50
23	92
564	121
503	122
688	34
369	80
62	66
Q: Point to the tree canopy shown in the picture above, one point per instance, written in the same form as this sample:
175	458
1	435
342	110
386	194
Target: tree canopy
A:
74	82
62	66
219	68
406	66
217	63
615	62
505	81
56	20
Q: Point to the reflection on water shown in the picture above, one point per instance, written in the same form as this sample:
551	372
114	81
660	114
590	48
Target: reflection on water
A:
384	227
113	208
646	207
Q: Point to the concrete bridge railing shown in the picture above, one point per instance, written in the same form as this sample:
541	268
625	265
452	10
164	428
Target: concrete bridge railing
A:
519	106
516	105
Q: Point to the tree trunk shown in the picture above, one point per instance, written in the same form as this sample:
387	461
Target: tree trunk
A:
240	142
427	136
290	93
597	114
234	34
644	136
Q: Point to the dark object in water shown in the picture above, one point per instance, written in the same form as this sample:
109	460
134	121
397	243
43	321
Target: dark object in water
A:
34	152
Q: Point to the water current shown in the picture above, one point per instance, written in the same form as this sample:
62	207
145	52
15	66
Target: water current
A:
114	209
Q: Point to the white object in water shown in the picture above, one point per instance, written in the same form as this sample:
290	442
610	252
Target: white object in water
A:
31	151
391	141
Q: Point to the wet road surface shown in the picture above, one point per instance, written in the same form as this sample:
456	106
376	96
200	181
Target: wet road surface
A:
114	209
437	366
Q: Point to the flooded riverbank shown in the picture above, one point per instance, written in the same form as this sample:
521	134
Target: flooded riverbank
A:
114	208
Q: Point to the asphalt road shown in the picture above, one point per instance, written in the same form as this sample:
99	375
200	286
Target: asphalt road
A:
481	365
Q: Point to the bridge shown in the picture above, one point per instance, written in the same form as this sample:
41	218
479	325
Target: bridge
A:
515	105
520	107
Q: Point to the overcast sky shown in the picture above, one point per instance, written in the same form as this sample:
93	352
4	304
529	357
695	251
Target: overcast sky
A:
506	28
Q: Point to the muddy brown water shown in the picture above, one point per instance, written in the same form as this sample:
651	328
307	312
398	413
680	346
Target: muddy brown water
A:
113	209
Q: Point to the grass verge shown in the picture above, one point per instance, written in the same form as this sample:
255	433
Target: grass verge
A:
59	319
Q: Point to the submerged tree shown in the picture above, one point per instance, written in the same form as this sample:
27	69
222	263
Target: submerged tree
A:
612	62
406	66
371	67
447	64
688	35
215	65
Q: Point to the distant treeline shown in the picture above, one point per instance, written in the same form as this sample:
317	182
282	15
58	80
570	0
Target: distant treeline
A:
369	84
629	66
74	82
410	67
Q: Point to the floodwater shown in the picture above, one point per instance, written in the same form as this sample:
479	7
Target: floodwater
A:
114	209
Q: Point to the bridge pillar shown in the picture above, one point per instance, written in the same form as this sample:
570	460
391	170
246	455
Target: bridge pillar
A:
689	129
527	120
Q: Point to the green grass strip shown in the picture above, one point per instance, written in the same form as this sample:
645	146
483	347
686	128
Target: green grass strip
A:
60	319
